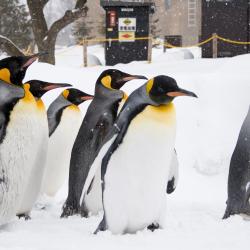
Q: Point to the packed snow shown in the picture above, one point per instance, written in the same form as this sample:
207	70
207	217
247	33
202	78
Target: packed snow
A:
207	131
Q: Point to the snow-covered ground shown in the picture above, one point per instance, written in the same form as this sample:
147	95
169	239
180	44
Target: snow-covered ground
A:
206	135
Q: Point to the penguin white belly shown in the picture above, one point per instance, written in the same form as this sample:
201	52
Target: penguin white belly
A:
93	200
135	181
33	187
16	154
59	151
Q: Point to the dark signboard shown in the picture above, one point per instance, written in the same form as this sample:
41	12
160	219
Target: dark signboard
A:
127	22
229	19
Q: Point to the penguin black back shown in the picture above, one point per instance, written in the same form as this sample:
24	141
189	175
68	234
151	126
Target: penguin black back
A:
13	69
158	92
239	174
67	98
9	96
96	124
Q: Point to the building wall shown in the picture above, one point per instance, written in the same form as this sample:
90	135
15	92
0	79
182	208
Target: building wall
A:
95	16
172	20
176	19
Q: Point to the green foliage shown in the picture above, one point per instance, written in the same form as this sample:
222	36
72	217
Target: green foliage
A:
15	23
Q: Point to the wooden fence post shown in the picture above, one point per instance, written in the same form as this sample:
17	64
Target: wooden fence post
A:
85	55
215	46
150	50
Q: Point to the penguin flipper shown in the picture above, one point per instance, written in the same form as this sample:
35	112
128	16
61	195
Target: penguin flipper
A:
97	139
2	126
119	135
174	174
102	226
100	131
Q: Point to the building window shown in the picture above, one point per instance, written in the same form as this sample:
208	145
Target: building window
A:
192	13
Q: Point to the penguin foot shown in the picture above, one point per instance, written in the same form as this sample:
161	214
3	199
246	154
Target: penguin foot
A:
84	211
84	214
25	216
153	227
68	211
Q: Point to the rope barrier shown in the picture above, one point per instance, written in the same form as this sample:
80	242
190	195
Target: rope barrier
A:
154	42
232	41
166	44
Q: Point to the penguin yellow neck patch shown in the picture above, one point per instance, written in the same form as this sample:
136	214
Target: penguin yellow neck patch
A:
165	114
149	85
65	93
5	75
125	96
73	107
106	82
40	104
28	95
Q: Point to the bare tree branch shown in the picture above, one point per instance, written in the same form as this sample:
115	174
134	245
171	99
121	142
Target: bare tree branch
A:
43	2
80	4
46	38
69	17
39	24
6	45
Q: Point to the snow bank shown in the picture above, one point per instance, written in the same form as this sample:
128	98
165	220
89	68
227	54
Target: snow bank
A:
206	135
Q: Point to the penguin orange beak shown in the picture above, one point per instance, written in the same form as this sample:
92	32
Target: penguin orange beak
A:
87	97
30	59
133	77
51	86
181	92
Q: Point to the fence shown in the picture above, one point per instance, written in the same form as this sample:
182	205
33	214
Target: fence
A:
214	38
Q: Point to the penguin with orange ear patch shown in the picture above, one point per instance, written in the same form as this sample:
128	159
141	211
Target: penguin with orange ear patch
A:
64	119
39	133
13	69
136	159
17	140
98	120
10	181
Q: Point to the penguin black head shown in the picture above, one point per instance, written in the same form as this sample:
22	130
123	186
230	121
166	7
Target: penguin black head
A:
115	79
13	69
163	89
39	88
76	96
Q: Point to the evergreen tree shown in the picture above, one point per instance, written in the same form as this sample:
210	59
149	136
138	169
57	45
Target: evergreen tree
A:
82	29
155	28
15	23
101	28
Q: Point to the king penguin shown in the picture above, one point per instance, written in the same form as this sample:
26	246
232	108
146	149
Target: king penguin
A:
64	118
37	167
98	120
16	135
135	160
238	201
13	69
9	185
